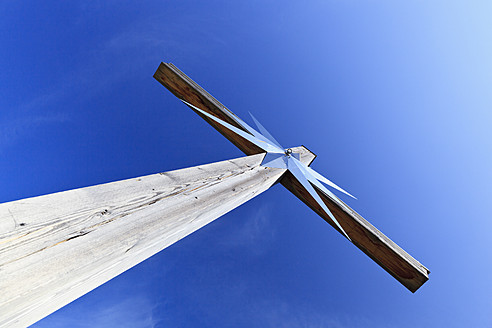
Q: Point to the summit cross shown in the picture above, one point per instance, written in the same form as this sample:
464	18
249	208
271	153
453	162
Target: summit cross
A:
58	247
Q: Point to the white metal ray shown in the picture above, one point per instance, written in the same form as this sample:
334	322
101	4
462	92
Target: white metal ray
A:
265	131
244	125
326	181
255	133
294	166
263	144
275	160
321	187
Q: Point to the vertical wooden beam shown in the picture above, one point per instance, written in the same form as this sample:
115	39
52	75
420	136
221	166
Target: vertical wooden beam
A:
57	247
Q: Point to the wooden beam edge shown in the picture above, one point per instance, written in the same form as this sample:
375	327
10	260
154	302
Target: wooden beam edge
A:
180	85
418	273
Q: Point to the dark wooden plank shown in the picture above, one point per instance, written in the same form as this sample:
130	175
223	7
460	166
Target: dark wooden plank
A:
365	236
185	88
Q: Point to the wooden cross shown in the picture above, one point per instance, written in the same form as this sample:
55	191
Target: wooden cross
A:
56	248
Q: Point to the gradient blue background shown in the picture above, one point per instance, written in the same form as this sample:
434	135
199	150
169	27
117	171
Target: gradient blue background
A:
394	97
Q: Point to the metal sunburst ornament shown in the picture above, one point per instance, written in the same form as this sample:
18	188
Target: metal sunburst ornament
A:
282	158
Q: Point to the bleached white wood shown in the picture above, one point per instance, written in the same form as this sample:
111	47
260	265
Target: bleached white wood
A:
56	248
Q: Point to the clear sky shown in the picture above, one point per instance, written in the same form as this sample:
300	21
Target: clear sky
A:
394	98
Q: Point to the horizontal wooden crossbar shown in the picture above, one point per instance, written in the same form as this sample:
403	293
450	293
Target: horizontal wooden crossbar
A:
365	236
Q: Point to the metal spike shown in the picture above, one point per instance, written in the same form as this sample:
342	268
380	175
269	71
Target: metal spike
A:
265	145
328	182
319	185
275	160
297	171
265	132
325	190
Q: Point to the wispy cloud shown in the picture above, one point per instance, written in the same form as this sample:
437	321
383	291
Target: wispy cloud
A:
129	312
165	37
21	125
126	54
133	312
256	230
280	314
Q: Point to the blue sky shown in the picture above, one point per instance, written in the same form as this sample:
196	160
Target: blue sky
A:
394	98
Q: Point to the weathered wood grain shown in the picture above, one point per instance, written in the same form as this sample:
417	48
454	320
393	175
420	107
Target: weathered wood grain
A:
370	240
57	247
